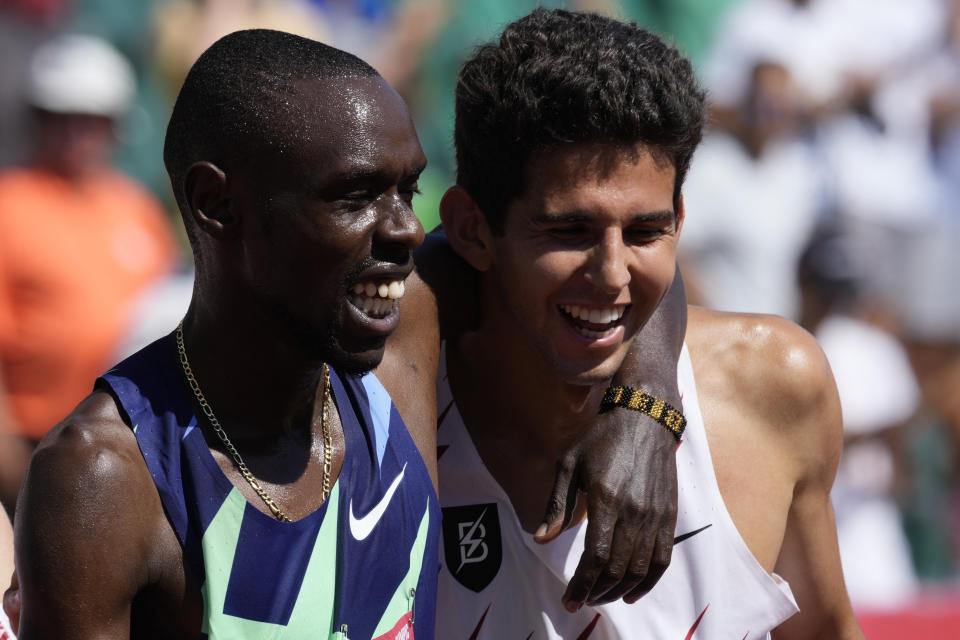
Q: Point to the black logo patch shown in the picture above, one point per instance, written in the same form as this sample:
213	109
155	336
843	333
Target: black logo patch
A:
471	543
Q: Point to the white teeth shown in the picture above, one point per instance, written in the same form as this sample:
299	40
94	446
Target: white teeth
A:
596	315
374	298
390	290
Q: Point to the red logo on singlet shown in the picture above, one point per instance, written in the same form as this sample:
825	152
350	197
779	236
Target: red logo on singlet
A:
403	630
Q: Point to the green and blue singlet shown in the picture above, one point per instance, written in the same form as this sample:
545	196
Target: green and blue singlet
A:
363	565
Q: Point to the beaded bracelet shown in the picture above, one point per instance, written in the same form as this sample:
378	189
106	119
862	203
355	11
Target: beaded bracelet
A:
638	400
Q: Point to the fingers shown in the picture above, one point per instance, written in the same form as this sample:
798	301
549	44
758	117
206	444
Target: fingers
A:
659	561
630	561
633	548
563	499
601	522
662	536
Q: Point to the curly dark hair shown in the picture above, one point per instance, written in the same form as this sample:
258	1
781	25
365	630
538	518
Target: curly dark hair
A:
557	77
238	102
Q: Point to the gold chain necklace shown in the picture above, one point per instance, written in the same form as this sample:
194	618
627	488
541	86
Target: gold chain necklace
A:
232	450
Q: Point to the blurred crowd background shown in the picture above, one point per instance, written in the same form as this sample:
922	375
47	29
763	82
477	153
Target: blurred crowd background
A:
826	190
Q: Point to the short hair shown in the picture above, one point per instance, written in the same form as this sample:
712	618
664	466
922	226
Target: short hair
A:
557	77
236	103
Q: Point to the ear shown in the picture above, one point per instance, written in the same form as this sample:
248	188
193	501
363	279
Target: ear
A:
466	228
207	196
681	214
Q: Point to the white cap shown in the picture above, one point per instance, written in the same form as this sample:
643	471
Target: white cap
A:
80	74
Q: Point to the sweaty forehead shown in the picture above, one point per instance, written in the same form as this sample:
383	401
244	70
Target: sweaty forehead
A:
354	122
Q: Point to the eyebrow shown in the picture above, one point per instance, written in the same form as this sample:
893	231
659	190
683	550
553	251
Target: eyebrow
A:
571	217
365	175
359	174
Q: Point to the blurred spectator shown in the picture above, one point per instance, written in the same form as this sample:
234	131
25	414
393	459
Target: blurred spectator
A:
752	197
391	35
23	25
185	28
830	47
929	312
878	394
78	241
944	112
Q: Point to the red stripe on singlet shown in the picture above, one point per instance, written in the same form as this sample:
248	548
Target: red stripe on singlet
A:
697	623
590	627
476	632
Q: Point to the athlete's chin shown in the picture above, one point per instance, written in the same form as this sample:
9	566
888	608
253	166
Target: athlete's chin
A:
587	373
356	359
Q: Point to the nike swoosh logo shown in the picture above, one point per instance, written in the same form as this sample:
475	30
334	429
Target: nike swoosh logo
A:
690	534
361	527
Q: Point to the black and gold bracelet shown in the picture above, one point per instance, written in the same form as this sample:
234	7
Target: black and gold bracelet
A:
638	400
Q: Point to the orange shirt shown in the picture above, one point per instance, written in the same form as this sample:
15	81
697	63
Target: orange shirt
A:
73	260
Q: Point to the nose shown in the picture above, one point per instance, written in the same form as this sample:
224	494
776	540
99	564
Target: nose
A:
398	232
607	268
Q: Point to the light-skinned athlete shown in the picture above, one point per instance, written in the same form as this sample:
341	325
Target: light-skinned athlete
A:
574	133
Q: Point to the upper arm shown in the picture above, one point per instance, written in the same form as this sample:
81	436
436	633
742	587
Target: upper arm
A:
84	526
439	301
801	397
408	370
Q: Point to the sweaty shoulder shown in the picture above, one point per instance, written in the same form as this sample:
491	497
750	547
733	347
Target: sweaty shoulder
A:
774	375
90	531
88	479
95	428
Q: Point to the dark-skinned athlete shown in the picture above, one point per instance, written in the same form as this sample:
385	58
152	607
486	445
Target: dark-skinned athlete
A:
247	475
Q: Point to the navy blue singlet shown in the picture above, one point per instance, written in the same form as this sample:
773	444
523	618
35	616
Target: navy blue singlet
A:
363	565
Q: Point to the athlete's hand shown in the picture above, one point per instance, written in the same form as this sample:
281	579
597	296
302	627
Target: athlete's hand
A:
626	465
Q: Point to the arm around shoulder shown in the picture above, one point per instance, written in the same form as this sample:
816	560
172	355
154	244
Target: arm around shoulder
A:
408	370
85	526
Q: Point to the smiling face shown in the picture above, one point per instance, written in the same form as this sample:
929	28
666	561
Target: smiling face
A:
333	230
587	253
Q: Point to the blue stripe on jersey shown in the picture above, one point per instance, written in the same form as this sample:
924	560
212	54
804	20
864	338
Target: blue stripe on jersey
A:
268	566
380	405
254	570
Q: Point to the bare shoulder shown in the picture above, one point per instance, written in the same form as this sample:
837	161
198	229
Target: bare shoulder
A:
93	443
87	493
776	375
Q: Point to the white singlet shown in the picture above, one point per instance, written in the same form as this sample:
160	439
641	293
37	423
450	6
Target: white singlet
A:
497	583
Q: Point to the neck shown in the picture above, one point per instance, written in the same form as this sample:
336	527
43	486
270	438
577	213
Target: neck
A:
522	416
255	378
522	401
